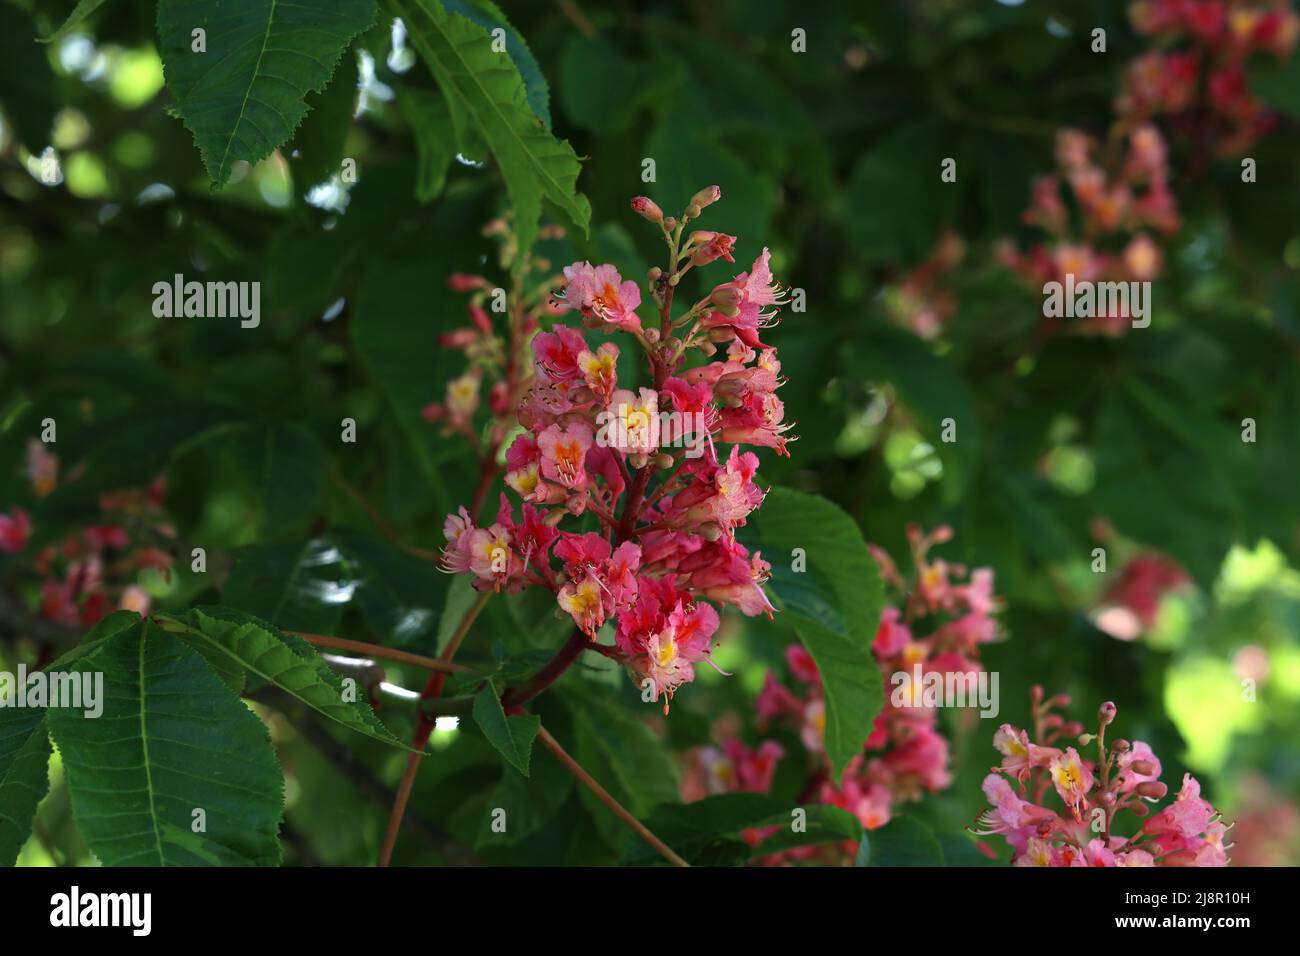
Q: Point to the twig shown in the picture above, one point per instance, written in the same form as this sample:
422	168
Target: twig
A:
378	650
380	522
604	796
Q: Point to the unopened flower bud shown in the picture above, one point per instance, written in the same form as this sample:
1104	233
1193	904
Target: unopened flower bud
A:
709	532
638	460
706	196
692	211
663	460
709	349
674	279
1085	739
1144	767
580	395
1106	799
720	334
1153	789
647	209
651	335
670	223
553	518
1106	712
1120	746
654	273
1140	809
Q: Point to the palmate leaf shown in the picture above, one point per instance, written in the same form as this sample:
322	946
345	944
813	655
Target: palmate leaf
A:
243	97
25	746
172	740
833	605
279	659
486	87
24	778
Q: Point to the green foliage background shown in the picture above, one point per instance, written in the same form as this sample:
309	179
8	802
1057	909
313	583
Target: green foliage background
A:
831	158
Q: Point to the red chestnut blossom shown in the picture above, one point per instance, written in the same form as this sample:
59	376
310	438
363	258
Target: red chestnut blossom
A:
81	578
1201	86
1130	605
644	462
15	528
1123	779
938	625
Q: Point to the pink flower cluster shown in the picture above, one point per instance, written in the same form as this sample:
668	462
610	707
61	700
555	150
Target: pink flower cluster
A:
923	300
1115	208
643	461
94	571
1198	76
1123	779
938	626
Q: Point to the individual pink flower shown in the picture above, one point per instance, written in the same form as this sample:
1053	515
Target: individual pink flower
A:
1072	778
564	450
599	292
633	427
584	601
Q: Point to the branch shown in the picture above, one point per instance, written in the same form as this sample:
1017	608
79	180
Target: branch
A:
604	796
357	772
424	728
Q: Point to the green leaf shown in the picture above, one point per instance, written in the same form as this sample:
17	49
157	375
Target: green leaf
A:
487	87
709	830
834	606
299	587
822	823
897	179
172	740
1277	83
600	89
316	152
284	661
435	137
902	841
244	96
622	753
490	17
398	594
512	736
285	467
27	89
24	777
